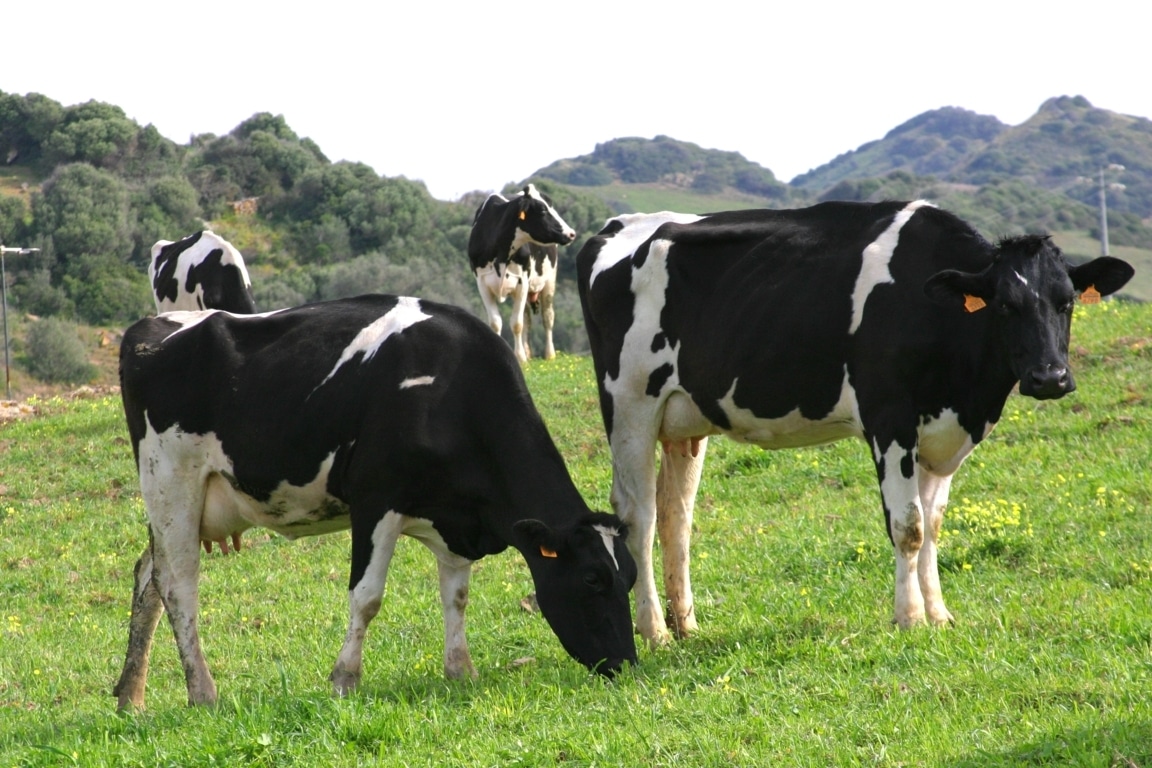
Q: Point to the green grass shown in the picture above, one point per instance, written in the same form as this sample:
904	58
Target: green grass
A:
1047	566
665	197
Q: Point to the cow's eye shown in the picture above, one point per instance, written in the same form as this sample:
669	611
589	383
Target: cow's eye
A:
594	580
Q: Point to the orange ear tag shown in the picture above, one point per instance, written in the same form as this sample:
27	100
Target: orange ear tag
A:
1090	295
547	552
973	303
523	215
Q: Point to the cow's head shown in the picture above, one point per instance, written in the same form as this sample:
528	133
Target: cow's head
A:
583	575
1030	291
537	221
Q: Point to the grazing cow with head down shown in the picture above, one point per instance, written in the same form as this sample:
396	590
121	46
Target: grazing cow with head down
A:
505	251
893	322
202	271
385	415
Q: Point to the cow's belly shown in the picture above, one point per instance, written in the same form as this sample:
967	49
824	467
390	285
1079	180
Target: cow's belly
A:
293	511
793	430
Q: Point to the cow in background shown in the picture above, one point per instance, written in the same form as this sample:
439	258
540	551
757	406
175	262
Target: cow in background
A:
895	323
505	265
202	271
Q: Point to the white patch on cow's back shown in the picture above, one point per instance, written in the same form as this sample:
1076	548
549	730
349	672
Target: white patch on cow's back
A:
190	319
793	430
368	341
638	227
608	535
874	266
417	381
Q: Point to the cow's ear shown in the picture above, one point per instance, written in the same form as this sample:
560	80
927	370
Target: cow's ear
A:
1104	274
952	288
536	535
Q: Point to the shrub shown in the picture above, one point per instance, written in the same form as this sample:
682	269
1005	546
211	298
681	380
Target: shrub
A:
55	353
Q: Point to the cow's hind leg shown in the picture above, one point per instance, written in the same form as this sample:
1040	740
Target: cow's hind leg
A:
146	610
681	466
455	573
372	550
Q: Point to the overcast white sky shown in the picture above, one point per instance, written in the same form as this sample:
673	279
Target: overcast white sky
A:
469	96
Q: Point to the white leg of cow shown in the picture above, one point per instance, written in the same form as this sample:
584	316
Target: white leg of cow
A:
146	611
934	497
548	313
364	603
519	303
176	570
681	466
491	304
455	573
906	527
634	500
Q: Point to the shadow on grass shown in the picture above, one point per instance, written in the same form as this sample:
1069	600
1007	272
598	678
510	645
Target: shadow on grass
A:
1115	743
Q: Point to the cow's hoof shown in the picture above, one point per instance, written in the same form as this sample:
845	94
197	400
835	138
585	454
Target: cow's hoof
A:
344	682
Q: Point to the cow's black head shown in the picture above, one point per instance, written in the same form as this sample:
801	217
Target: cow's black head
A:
1030	291
539	221
583	575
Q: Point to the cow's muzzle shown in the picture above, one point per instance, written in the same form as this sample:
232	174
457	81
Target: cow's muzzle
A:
1047	383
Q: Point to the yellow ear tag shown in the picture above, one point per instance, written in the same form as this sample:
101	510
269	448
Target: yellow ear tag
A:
973	303
1090	295
547	552
524	215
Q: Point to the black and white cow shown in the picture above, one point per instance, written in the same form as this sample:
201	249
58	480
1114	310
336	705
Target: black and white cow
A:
504	264
795	328
202	271
381	414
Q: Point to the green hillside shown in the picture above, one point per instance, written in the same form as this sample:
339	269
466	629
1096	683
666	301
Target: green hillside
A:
93	189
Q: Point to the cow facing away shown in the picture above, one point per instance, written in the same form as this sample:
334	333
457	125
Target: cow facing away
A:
499	249
381	414
894	322
202	271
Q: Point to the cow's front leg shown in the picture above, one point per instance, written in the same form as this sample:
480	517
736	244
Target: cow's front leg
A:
548	313
146	610
491	303
934	497
455	573
681	466
898	473
634	500
372	550
519	337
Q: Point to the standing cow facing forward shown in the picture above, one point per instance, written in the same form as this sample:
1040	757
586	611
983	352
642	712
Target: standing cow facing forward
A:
894	322
497	249
385	415
202	271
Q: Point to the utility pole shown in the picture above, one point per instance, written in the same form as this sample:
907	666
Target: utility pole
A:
4	294
1103	196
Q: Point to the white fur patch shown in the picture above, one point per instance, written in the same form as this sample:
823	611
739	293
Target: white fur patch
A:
404	315
794	430
609	536
638	227
190	319
874	268
417	381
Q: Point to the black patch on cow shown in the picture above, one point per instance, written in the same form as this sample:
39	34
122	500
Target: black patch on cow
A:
713	412
907	465
164	283
657	379
659	341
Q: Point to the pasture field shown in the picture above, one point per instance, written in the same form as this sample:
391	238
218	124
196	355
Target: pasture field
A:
1047	562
